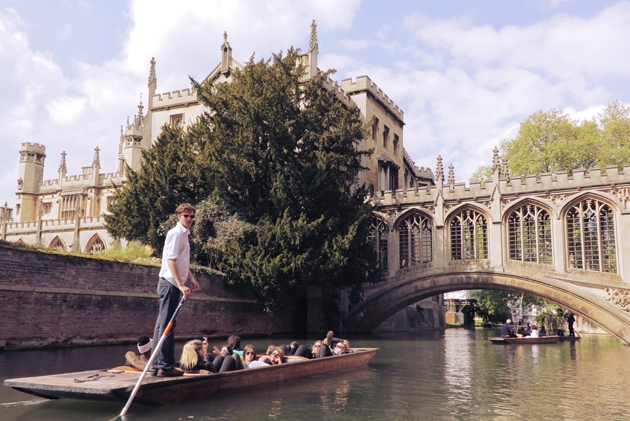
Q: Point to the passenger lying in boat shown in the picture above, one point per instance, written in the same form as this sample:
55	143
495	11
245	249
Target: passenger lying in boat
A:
277	357
341	348
145	346
232	346
317	350
250	360
195	357
290	349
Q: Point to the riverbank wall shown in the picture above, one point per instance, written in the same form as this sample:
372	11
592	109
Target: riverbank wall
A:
55	300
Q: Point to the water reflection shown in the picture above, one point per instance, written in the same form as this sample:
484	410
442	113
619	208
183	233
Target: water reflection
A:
451	375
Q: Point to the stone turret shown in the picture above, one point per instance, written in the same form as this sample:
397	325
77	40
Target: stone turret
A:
31	175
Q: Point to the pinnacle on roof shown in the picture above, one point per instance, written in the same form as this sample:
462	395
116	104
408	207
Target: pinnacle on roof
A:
439	173
96	162
62	165
152	76
496	164
312	45
451	176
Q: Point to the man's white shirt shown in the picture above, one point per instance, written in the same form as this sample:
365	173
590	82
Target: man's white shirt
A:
176	248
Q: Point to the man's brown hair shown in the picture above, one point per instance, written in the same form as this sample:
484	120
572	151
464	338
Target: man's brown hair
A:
184	207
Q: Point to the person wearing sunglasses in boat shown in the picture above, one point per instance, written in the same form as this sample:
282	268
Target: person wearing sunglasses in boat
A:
174	274
195	357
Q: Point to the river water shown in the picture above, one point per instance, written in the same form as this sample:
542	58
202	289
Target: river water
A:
449	375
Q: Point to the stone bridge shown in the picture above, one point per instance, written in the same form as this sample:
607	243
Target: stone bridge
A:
561	237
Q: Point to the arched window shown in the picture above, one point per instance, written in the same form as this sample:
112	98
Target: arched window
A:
378	238
469	236
96	245
530	235
57	244
591	237
416	241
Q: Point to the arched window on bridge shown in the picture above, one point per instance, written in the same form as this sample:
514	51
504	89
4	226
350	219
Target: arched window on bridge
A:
378	237
530	235
416	240
591	232
469	236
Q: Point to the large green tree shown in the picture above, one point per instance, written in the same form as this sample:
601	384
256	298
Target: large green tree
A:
550	141
284	154
272	164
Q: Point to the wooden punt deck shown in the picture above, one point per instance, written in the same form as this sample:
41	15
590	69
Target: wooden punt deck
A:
117	384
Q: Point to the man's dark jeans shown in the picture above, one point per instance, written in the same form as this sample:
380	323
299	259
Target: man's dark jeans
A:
169	299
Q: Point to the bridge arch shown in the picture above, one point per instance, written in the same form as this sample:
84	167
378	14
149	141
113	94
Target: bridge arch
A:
395	296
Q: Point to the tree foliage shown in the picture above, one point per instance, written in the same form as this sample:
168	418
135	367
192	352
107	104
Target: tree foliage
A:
550	141
271	166
284	154
494	304
174	171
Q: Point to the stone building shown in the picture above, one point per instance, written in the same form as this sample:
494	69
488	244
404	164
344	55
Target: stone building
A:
67	212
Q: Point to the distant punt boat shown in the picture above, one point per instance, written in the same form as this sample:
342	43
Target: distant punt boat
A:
117	384
527	340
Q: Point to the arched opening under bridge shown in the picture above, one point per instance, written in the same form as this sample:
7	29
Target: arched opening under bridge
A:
393	297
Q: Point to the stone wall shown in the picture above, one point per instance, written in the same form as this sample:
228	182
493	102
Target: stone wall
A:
58	300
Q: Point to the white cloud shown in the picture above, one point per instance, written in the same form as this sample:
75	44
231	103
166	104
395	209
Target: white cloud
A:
66	110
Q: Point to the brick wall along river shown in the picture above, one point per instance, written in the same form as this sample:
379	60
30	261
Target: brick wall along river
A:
58	300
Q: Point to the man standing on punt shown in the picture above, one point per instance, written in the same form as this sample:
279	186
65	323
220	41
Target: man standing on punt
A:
174	273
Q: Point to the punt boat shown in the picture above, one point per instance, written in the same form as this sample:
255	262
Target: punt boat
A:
527	340
117	384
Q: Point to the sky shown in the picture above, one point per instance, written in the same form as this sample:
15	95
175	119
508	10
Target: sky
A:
465	72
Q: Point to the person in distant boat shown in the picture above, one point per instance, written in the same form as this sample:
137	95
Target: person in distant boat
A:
195	357
506	330
570	320
174	274
542	331
145	346
534	331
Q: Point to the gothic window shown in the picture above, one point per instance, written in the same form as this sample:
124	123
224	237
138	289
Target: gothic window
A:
393	179
96	245
396	142
469	236
530	235
375	129
47	207
57	244
69	205
591	237
378	238
415	234
177	120
385	137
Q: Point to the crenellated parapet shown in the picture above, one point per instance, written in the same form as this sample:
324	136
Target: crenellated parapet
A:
342	96
365	84
32	152
174	99
552	188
